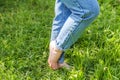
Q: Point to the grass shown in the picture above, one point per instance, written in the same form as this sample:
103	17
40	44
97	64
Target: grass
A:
25	27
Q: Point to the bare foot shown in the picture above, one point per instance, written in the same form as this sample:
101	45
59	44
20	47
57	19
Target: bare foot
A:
54	56
64	65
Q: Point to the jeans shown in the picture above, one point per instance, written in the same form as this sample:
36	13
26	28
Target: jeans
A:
71	19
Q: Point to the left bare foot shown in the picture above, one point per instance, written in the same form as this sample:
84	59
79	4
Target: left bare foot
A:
64	65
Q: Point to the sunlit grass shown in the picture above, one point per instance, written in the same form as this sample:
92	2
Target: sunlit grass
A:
25	27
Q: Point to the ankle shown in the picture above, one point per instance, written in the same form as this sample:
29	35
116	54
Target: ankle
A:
53	43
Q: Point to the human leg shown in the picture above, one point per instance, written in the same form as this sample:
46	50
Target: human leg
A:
83	13
61	14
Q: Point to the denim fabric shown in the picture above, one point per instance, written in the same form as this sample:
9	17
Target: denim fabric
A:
71	19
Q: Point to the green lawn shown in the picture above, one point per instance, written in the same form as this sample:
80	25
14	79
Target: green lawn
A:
25	27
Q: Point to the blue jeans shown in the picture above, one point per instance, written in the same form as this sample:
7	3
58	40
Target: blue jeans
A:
71	19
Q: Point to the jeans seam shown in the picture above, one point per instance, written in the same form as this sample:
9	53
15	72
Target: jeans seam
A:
63	14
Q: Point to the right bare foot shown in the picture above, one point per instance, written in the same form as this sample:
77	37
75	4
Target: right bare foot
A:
54	56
